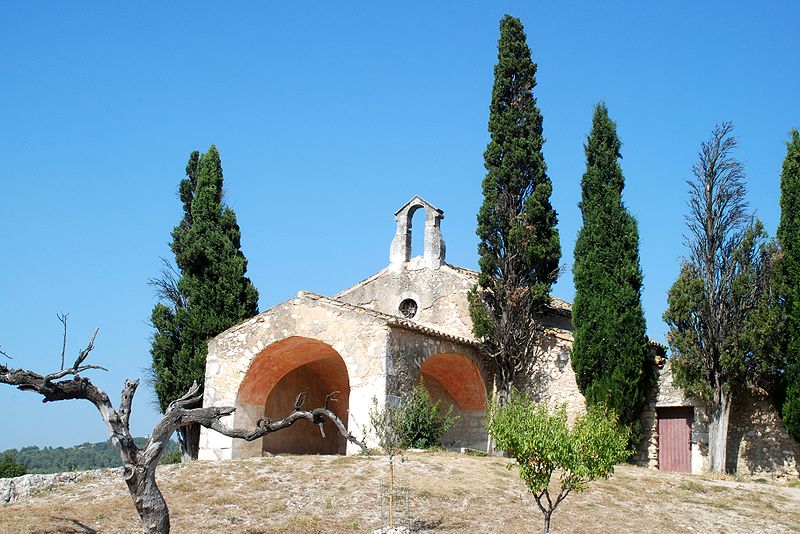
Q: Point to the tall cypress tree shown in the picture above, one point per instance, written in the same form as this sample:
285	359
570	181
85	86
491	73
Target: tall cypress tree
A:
210	295
519	246
789	239
609	353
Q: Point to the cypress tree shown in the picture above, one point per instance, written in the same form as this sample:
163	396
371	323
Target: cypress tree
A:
789	239
210	294
519	247
610	349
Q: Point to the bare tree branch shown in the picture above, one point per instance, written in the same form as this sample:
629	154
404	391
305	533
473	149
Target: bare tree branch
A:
85	352
166	286
62	317
139	465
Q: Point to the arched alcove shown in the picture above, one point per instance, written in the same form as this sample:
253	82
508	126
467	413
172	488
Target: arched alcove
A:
454	380
282	371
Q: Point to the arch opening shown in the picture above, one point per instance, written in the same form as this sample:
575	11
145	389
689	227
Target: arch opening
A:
454	380
277	375
416	214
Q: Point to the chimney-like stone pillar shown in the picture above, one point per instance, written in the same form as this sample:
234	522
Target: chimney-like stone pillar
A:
434	243
433	250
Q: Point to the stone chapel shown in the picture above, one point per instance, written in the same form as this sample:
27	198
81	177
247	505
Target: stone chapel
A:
375	340
410	322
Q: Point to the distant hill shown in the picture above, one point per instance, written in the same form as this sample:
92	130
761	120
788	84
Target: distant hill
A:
78	458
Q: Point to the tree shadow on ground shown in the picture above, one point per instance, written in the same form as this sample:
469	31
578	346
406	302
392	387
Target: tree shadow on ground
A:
75	527
425	525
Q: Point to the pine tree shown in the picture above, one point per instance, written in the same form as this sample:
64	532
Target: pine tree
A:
519	245
610	349
210	294
789	239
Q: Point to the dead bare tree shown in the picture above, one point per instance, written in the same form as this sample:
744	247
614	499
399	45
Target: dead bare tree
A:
139	464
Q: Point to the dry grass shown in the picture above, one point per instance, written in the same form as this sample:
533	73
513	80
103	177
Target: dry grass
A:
439	492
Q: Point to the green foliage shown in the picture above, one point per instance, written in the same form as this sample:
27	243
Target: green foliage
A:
9	467
519	245
170	457
722	308
416	422
542	443
78	458
610	350
386	424
789	238
422	421
212	292
750	353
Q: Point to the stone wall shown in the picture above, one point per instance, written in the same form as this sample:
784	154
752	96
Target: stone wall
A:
551	378
255	354
22	487
453	372
758	443
440	294
469	430
666	394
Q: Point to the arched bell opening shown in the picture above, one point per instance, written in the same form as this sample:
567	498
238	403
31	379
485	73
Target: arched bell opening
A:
278	375
454	380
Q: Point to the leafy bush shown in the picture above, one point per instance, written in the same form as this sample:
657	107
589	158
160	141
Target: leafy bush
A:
417	422
422	423
170	457
9	468
542	442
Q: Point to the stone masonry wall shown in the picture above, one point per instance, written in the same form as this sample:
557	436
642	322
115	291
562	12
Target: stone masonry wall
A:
758	443
407	354
441	295
552	379
468	430
358	338
665	394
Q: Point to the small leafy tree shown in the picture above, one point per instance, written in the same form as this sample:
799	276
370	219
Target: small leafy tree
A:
386	424
422	420
10	468
541	442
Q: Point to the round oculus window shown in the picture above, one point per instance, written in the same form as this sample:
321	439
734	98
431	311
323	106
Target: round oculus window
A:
408	308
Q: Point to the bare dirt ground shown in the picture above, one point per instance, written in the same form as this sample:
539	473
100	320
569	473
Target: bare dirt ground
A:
436	492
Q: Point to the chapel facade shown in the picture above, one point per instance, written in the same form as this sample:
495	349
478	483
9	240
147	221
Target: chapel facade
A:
372	342
410	323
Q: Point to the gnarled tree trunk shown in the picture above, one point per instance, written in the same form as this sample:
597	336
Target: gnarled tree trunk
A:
149	502
718	417
140	464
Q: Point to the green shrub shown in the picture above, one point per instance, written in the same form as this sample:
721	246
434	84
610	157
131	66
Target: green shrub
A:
422	421
170	457
9	468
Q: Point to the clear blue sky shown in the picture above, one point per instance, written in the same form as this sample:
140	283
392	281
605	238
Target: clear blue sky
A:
328	117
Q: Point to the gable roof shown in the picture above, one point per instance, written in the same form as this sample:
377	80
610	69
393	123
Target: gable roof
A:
416	199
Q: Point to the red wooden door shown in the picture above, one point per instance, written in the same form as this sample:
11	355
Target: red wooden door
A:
675	439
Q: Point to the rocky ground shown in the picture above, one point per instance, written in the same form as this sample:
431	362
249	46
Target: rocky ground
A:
435	492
